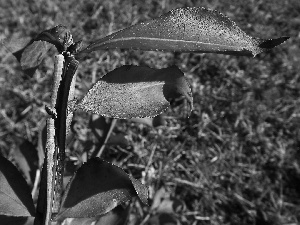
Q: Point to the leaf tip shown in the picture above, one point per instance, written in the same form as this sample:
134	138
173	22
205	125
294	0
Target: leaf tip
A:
271	43
191	108
267	44
141	190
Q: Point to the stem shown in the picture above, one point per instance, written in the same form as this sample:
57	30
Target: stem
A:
61	123
45	200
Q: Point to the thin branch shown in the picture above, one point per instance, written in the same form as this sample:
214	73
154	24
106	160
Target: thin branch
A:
101	146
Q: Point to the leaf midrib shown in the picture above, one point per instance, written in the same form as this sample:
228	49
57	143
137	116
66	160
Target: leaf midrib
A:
158	39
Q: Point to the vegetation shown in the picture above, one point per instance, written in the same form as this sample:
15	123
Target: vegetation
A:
235	160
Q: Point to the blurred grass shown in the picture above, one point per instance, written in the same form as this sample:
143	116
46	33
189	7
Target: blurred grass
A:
236	160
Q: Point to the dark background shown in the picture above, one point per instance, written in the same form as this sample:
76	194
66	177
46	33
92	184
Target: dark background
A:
235	160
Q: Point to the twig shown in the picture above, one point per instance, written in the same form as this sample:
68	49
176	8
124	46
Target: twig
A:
45	200
36	183
98	153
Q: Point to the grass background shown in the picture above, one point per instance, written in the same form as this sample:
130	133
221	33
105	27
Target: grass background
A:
235	160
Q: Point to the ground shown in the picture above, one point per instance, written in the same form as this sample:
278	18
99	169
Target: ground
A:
234	160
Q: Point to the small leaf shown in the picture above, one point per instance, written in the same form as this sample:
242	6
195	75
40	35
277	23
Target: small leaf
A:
136	91
96	188
190	29
28	52
15	43
15	197
33	54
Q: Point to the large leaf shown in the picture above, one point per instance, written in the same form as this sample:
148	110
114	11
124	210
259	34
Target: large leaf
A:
96	188
15	197
190	29
136	91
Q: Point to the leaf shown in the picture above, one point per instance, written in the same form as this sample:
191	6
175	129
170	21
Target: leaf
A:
15	43
28	52
15	197
56	36
33	54
136	91
96	188
190	29
26	157
140	189
7	220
